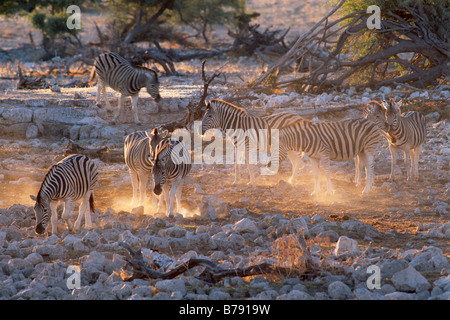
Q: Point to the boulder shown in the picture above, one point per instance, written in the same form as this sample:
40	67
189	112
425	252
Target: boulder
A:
410	280
346	245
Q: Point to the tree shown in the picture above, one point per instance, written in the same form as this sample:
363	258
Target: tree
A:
201	15
50	17
152	20
411	47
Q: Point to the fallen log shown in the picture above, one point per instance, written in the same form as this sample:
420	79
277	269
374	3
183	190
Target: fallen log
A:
211	272
102	153
30	82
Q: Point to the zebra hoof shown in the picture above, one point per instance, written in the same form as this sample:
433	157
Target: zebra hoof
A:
113	122
69	225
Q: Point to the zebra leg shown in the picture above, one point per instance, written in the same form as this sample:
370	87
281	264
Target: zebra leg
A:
103	88
99	92
178	195
294	156
119	110
160	201
169	196
134	185
358	171
54	216
143	181
367	160
326	170
406	154
66	213
416	152
134	100
250	170
237	160
393	152
87	211
155	201
315	168
82	211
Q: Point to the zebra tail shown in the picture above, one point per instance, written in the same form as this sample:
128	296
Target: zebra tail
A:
91	202
92	77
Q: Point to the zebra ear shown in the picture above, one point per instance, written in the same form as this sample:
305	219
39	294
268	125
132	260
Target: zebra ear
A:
398	104
154	132
152	161
33	197
385	105
163	133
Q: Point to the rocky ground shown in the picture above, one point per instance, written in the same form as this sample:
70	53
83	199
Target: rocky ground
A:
403	227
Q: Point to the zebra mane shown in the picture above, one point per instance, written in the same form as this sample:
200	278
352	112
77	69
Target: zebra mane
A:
162	149
230	105
49	171
147	69
367	110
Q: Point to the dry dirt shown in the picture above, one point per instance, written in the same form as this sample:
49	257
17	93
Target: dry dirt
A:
393	208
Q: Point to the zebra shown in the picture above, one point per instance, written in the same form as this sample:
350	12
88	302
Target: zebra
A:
116	72
171	164
331	140
405	132
373	111
224	115
71	179
139	148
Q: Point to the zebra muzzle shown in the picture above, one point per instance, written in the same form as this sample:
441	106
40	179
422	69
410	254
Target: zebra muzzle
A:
40	229
157	190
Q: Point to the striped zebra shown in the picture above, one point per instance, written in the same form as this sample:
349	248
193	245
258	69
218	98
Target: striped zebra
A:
139	146
71	179
116	72
373	111
171	164
333	140
226	116
406	132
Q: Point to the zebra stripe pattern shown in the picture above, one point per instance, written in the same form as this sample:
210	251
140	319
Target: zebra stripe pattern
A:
337	141
171	164
116	72
224	115
138	147
69	180
406	132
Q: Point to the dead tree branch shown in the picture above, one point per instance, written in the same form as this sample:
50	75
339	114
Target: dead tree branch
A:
103	153
211	272
194	110
405	50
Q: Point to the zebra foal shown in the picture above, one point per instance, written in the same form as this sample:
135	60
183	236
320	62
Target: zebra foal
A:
333	140
139	148
116	72
71	179
172	163
405	132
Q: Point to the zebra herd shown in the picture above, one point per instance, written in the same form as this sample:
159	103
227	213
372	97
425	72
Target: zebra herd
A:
168	159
